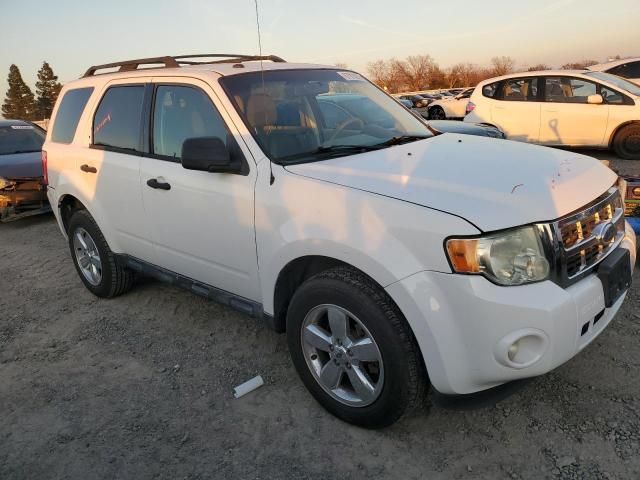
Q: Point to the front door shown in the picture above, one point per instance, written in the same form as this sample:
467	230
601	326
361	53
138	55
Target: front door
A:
567	118
203	225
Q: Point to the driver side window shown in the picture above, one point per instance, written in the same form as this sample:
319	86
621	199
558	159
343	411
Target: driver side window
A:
182	112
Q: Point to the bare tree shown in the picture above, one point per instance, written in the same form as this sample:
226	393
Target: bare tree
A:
502	65
417	71
578	65
538	67
464	75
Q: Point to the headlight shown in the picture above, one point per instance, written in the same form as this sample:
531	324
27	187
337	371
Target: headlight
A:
4	183
513	257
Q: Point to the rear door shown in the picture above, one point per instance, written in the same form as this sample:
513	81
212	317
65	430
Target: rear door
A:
203	225
567	117
109	170
515	108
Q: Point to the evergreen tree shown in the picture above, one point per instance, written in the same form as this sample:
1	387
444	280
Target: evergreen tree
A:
47	89
19	102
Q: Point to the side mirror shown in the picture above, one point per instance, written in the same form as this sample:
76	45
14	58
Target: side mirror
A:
595	99
208	154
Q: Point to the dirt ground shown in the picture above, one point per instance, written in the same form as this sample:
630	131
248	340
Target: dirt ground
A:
141	387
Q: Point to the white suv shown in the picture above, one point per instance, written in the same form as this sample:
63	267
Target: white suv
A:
562	108
391	257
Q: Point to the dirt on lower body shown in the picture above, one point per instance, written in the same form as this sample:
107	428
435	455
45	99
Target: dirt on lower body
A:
141	387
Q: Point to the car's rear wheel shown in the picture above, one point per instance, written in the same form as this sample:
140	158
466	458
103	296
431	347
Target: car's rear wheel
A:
353	349
437	113
94	261
626	143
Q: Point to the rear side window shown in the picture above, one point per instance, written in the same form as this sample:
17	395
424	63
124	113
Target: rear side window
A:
117	122
69	112
520	89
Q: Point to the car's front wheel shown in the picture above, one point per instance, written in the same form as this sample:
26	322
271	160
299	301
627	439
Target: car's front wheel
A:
94	261
353	349
627	142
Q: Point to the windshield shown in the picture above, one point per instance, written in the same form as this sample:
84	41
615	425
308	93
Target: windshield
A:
619	82
312	114
20	139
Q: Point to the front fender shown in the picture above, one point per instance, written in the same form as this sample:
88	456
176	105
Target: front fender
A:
386	238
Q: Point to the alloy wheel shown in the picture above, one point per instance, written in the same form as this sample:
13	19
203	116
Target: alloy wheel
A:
87	256
342	355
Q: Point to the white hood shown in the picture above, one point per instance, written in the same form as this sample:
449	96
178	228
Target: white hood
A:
494	184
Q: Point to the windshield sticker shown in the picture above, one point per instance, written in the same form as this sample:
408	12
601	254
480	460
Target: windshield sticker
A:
351	76
22	127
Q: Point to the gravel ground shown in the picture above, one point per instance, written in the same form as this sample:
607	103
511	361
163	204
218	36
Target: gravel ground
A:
141	387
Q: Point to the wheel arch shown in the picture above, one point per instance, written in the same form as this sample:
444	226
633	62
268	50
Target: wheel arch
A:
295	273
67	205
620	127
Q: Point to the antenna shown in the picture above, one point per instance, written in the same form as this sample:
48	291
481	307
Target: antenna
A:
271	178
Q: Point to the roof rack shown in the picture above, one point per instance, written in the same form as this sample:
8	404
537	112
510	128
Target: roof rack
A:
178	61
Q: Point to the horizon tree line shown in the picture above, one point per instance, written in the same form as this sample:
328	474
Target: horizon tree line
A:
422	72
20	103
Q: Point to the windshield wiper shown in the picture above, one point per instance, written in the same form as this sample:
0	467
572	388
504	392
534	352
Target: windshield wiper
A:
327	151
400	140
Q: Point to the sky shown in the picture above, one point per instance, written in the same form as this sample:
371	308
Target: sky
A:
73	35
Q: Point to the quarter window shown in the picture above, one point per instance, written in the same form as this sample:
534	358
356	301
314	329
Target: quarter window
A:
180	113
568	90
490	90
117	122
69	112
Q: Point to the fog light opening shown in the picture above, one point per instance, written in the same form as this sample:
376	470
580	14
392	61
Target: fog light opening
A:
521	349
513	350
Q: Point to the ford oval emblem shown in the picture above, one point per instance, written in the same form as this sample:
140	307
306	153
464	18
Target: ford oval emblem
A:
605	233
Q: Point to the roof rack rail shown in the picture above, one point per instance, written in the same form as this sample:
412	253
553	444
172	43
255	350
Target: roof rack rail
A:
178	61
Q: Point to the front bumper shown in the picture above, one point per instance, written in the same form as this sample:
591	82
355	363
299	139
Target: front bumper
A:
465	325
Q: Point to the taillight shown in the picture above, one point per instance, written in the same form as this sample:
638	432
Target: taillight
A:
470	107
45	171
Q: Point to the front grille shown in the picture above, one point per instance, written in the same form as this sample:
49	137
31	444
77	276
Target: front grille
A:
589	235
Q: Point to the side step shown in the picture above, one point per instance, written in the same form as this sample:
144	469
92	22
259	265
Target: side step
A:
236	302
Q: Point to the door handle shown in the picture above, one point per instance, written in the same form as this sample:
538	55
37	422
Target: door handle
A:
154	183
86	168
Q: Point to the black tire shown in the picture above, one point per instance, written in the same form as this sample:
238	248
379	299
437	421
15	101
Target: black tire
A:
626	143
115	279
437	113
405	379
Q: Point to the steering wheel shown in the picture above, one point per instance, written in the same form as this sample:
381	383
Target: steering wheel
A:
344	125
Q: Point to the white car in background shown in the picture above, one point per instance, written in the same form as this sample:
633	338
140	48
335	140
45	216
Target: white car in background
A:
628	68
451	107
562	108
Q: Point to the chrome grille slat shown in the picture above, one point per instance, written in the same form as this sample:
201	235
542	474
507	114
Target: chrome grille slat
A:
585	237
